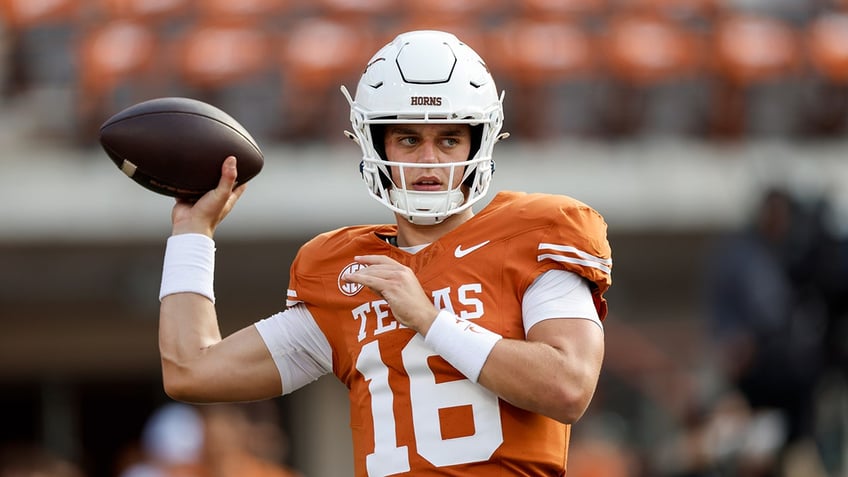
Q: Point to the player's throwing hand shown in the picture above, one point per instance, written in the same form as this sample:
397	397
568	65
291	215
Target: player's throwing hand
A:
204	215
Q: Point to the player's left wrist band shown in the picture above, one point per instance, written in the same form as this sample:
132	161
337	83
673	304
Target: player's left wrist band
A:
461	343
189	266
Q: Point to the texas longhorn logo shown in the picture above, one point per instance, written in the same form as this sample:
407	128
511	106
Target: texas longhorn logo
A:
348	288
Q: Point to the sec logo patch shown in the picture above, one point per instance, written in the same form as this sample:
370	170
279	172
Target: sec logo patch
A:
348	288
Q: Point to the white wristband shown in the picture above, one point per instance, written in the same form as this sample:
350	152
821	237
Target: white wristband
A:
189	266
461	343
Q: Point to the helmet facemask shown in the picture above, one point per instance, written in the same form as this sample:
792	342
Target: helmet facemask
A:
424	78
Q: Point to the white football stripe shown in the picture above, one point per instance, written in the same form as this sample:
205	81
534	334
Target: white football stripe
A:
579	261
586	258
574	250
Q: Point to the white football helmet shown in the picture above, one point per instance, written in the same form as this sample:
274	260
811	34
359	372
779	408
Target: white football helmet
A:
426	77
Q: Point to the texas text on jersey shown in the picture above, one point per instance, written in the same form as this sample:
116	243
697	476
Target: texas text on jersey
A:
411	412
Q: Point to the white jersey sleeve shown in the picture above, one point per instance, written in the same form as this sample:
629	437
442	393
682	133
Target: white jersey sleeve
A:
558	294
299	348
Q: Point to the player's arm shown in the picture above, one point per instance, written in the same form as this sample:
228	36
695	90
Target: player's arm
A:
565	348
554	372
197	364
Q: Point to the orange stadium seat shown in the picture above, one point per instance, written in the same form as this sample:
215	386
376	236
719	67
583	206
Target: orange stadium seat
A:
23	14
826	41
39	36
443	7
116	70
210	56
655	65
535	52
372	14
751	49
315	58
757	61
547	68
145	10
826	47
676	9
231	65
243	12
165	17
644	49
563	9
452	11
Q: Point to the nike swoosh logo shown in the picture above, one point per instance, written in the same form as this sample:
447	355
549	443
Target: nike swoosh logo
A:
459	252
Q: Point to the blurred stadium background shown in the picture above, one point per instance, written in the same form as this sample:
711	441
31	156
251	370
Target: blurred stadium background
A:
671	117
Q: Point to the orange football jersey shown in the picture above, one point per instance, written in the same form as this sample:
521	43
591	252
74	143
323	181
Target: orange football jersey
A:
411	412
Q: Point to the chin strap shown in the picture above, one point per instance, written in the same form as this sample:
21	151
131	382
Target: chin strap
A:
437	203
424	220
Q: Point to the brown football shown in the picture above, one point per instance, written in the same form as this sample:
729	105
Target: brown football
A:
176	146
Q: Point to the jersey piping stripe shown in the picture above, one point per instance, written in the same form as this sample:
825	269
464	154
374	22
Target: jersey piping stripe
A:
291	296
586	263
585	259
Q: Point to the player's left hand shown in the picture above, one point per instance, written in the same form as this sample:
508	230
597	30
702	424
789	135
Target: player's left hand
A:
398	285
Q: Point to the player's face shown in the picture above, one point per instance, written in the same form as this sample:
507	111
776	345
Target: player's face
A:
427	144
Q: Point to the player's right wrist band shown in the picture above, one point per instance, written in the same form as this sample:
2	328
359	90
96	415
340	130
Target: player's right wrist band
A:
461	343
189	266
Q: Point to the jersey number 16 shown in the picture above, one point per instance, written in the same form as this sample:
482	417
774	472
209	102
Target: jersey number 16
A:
427	397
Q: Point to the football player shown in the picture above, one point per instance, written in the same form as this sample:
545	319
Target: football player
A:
470	342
